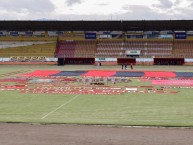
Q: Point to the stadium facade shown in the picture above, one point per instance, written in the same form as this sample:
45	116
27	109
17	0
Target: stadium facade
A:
78	42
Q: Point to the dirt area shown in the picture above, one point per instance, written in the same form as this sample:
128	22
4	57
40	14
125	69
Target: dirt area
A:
27	134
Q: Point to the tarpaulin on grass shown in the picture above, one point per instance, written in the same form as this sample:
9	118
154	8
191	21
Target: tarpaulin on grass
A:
70	73
100	73
41	73
173	82
128	74
110	73
160	74
184	74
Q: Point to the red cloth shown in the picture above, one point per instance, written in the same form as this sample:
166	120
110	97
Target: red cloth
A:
160	74
42	73
100	73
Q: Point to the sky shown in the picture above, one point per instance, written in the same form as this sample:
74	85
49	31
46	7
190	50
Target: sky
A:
96	9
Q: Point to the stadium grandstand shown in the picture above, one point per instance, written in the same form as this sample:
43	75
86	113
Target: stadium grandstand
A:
87	42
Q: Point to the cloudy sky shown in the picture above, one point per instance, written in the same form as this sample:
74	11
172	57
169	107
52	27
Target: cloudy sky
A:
96	9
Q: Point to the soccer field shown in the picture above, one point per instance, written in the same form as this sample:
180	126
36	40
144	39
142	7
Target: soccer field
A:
140	109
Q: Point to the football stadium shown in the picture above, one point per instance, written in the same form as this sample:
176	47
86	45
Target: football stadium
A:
110	74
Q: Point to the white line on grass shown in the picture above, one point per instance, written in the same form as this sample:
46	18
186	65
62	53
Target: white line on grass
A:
60	106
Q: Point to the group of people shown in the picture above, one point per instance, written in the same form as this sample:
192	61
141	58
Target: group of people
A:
125	65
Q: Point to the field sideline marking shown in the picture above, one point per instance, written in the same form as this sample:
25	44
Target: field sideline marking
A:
60	106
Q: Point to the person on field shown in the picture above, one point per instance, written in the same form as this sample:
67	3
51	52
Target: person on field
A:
125	66
122	65
131	65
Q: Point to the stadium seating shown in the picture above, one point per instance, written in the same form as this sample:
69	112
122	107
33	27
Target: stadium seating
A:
118	48
78	48
26	38
149	48
183	48
101	48
85	48
66	49
44	49
110	48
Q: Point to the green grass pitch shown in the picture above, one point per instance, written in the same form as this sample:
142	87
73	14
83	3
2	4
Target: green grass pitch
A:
128	109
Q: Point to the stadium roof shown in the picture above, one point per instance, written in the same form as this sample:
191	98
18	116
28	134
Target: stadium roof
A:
143	25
